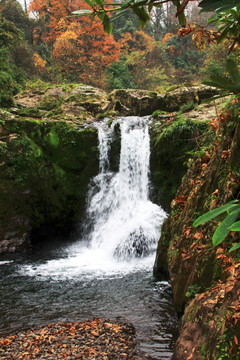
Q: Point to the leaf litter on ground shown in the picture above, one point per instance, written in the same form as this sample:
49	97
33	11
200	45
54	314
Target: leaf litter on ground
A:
90	339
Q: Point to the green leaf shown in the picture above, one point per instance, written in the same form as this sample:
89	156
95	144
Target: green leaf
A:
222	230
150	6
232	69
235	247
101	15
211	19
213	213
235	226
220	82
126	3
220	5
181	17
223	35
82	12
140	3
206	101
100	2
90	2
107	25
119	14
141	13
233	208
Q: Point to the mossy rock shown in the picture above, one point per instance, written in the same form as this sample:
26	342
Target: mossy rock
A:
49	103
172	144
46	167
135	102
29	112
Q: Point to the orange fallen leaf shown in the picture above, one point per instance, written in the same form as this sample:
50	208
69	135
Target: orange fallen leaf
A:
235	339
198	235
94	333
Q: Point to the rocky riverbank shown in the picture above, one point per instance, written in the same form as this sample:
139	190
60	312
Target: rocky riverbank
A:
205	280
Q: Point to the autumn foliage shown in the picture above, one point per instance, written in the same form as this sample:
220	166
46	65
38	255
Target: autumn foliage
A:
138	41
39	63
81	50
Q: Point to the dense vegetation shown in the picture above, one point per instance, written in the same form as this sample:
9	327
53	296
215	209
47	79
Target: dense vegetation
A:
48	44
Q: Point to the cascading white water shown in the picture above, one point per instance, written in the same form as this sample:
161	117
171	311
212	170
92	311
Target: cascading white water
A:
125	224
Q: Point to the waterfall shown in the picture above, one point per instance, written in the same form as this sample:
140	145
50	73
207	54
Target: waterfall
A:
126	223
122	225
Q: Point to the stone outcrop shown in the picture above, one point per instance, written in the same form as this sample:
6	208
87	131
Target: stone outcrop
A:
143	102
208	276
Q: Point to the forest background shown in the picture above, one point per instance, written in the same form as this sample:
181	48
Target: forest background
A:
42	42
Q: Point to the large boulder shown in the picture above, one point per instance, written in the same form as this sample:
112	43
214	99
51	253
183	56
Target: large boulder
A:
135	102
173	100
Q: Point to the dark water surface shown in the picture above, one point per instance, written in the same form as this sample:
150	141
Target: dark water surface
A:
34	292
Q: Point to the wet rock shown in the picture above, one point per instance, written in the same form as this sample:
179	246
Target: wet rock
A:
136	245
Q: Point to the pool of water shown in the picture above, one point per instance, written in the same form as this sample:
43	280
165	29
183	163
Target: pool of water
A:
54	284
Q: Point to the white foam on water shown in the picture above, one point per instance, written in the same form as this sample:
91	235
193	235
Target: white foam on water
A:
6	262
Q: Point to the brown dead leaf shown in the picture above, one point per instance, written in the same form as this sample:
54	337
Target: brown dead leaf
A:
198	235
201	296
187	232
235	339
94	333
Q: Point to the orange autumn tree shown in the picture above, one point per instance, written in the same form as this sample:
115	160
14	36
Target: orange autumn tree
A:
83	52
48	14
39	63
80	48
138	41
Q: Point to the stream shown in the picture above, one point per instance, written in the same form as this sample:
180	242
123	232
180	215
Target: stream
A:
107	271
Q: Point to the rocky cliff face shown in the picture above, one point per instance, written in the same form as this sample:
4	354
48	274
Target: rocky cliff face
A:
48	153
45	171
205	280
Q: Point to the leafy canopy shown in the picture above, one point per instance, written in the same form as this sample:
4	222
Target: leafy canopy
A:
143	8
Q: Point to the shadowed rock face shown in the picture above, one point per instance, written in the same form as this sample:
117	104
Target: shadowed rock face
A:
45	170
205	280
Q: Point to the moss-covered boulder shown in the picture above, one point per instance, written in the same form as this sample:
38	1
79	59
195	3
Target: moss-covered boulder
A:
75	102
135	102
92	99
173	100
45	170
